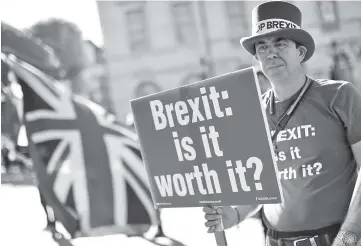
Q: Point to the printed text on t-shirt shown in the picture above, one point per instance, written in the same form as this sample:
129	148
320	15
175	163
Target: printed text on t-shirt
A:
295	133
294	153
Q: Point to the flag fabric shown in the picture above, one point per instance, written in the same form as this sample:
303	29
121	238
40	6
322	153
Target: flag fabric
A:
30	49
88	166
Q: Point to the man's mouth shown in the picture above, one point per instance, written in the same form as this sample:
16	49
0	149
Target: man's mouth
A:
275	66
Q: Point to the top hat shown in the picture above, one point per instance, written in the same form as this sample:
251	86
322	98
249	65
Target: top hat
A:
278	19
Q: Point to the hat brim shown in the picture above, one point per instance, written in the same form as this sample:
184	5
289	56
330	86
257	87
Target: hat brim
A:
298	35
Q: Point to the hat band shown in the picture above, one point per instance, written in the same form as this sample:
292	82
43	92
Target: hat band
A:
271	25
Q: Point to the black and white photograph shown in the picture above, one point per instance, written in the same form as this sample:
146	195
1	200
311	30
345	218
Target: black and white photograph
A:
180	123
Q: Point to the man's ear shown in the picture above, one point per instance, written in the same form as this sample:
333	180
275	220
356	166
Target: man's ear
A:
302	50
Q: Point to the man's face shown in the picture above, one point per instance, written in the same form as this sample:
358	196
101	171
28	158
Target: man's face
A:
279	58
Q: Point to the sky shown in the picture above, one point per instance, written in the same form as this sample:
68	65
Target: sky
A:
83	13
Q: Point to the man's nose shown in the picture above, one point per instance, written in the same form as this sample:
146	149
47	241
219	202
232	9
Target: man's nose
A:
272	52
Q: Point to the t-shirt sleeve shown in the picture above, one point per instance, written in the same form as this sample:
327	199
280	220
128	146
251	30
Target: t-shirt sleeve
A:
347	105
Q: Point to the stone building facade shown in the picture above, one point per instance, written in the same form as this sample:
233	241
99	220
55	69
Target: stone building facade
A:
166	42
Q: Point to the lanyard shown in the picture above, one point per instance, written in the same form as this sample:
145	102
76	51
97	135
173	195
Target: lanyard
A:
287	115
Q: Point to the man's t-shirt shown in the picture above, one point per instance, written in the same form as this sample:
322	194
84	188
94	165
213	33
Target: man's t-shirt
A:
315	160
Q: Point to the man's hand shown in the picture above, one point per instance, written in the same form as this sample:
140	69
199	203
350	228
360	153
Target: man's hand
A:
351	228
215	216
346	238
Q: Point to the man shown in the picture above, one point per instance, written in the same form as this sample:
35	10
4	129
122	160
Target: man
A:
316	209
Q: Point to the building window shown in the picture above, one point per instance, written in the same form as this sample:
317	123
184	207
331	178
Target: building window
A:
237	24
137	33
328	15
185	24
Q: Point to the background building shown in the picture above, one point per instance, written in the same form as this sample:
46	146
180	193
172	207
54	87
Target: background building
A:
172	43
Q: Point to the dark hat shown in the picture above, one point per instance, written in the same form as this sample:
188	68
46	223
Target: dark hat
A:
279	19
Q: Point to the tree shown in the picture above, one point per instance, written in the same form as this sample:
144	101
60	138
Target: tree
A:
66	40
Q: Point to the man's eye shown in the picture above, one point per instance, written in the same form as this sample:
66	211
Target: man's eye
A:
281	45
261	47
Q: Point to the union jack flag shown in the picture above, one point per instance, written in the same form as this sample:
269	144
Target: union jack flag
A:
88	165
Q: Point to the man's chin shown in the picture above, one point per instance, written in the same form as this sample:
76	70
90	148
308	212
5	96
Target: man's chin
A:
276	75
273	73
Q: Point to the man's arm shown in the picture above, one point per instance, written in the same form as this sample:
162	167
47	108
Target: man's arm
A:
356	149
229	216
245	212
351	227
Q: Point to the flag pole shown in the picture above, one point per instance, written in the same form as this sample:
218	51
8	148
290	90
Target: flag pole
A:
220	236
221	239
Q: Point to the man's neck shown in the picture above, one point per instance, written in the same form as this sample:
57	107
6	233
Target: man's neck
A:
286	88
